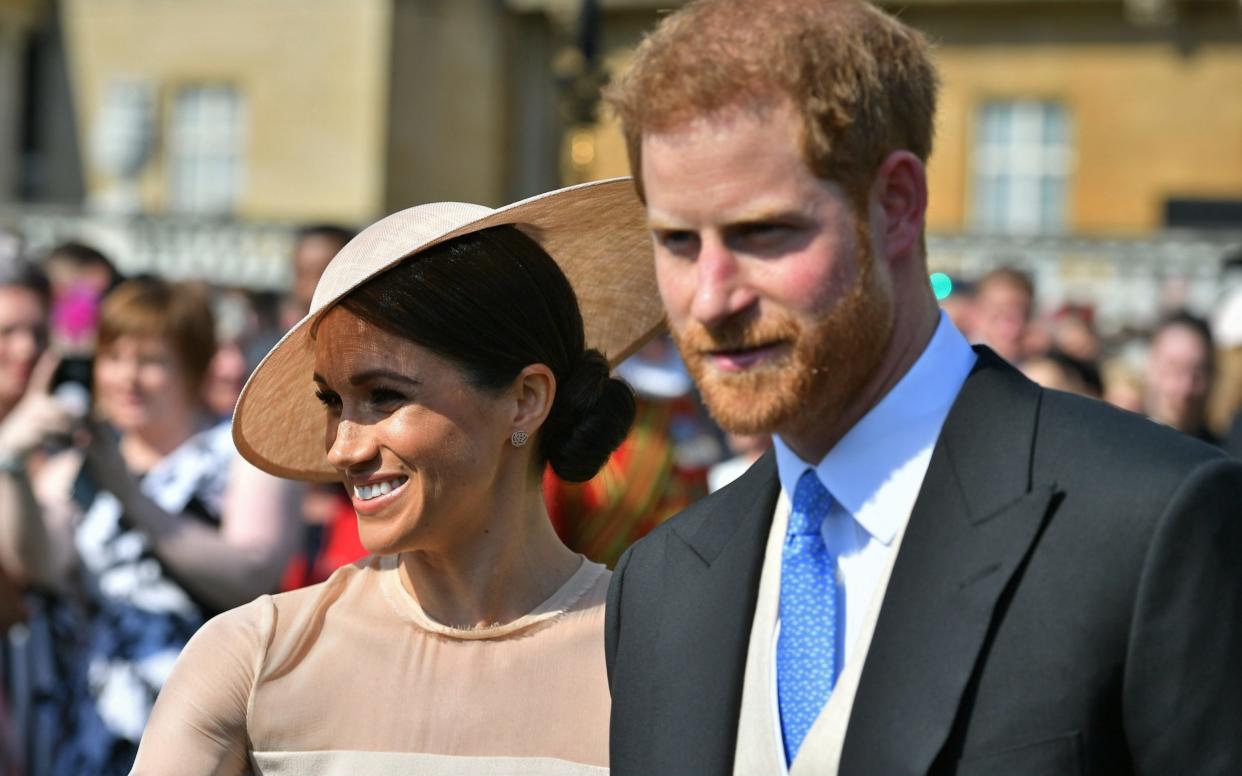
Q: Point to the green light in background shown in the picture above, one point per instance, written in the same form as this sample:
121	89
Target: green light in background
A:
942	285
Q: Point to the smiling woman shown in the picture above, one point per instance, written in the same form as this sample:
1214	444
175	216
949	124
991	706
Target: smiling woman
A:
451	354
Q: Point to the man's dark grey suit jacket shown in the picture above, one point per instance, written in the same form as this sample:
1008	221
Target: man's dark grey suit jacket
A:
1067	600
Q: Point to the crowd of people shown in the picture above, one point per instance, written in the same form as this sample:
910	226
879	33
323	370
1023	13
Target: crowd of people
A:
129	519
126	528
1180	370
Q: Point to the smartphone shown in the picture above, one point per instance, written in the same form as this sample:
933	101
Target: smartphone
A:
75	369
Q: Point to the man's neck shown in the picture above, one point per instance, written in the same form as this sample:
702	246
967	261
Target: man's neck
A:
812	440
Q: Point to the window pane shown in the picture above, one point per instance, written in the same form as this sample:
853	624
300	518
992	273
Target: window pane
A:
206	137
1052	204
995	123
1021	164
1054	125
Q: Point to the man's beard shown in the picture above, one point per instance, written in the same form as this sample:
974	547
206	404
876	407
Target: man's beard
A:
826	362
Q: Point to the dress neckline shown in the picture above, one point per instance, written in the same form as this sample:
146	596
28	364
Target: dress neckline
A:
562	600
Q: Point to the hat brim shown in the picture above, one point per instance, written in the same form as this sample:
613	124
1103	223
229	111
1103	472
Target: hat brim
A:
596	232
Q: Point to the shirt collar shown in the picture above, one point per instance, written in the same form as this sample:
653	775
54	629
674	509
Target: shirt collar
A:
898	428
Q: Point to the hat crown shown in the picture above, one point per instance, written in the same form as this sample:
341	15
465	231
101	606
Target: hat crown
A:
389	240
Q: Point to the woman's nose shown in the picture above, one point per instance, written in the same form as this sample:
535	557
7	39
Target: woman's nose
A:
351	445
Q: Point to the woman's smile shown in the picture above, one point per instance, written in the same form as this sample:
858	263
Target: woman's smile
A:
377	493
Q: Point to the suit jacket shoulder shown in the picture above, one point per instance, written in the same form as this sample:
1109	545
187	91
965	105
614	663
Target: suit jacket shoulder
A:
1050	601
1090	431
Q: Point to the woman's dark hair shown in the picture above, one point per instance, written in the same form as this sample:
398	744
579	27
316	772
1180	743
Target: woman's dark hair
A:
493	302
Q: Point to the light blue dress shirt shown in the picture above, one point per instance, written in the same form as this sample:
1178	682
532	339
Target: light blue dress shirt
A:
871	503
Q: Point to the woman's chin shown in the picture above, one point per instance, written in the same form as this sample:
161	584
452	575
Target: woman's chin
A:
380	539
128	418
125	425
373	546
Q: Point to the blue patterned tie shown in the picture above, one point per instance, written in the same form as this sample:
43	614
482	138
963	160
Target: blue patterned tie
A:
808	649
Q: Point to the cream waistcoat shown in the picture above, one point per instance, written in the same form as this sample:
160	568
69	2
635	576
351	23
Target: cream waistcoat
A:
760	749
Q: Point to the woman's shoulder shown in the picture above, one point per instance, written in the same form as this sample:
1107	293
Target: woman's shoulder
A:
218	666
268	615
364	591
249	639
583	596
595	588
353	592
349	579
248	625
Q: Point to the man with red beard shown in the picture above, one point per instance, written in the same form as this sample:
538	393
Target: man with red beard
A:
941	568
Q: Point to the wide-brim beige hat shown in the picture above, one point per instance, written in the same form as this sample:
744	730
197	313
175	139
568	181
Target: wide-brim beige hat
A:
596	232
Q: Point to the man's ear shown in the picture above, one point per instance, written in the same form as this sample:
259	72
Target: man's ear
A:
899	193
534	390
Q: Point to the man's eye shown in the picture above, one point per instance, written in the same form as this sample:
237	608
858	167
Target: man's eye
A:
765	232
677	241
766	238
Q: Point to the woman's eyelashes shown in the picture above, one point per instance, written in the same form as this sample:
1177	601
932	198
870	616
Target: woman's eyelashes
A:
328	399
387	398
377	399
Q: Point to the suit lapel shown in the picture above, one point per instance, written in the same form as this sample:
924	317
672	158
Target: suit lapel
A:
973	524
713	569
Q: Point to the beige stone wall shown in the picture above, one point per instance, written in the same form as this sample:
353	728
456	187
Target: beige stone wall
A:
1147	122
447	120
358	107
314	74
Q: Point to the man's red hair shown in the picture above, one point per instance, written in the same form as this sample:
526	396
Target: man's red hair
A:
861	81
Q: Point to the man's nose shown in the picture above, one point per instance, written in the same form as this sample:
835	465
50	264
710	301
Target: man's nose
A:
721	289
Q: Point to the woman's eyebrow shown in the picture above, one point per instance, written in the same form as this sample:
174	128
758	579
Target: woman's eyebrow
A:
372	374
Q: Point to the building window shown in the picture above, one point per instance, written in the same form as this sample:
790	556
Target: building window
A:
206	146
1021	166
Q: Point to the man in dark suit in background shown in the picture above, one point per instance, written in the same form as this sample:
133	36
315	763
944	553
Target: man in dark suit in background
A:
941	568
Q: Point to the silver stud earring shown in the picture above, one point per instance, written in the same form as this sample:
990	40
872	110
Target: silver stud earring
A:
518	438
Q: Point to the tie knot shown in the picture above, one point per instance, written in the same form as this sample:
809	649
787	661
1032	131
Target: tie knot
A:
810	505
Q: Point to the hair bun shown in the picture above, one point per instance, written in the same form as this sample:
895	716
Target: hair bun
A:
590	417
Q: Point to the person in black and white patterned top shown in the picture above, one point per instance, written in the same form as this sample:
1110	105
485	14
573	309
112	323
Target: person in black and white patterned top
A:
147	529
